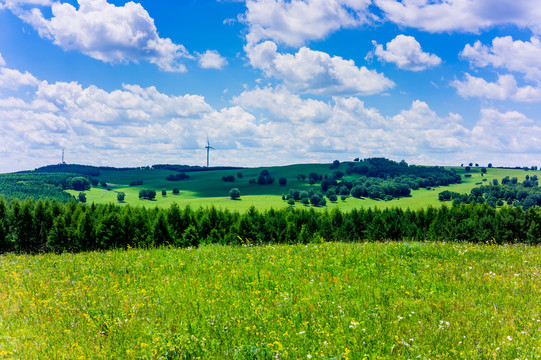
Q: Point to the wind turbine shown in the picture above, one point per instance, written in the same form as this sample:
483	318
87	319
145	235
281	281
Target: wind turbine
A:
208	147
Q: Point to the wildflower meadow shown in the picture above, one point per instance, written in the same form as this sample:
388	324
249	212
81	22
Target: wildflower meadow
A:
317	301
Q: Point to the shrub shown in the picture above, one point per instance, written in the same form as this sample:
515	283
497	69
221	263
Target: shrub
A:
82	197
282	181
176	191
229	178
305	201
234	194
239	175
322	202
164	193
136	183
343	197
291	202
120	196
103	183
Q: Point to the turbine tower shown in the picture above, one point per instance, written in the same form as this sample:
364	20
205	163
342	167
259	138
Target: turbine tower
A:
208	147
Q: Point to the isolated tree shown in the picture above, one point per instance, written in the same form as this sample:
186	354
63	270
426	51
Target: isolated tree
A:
175	190
483	170
82	197
234	194
470	164
239	175
467	168
120	196
282	181
489	165
164	192
147	194
315	200
80	183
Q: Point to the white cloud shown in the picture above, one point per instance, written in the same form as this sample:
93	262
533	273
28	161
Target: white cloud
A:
406	53
14	79
462	15
316	72
507	132
293	22
106	32
211	59
505	88
2	61
520	56
284	105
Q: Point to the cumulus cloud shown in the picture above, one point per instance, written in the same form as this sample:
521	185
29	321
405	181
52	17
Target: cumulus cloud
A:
461	15
347	125
104	31
2	61
293	22
316	72
507	132
520	56
505	88
14	79
406	53
211	59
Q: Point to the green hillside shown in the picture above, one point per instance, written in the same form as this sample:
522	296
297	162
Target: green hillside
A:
206	188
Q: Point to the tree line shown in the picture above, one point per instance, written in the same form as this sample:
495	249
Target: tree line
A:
31	226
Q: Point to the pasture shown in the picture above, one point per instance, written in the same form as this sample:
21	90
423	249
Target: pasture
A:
206	188
318	301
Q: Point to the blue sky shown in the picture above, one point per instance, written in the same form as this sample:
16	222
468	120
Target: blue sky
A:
270	82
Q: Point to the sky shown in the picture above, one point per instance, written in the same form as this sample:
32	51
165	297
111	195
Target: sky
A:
269	82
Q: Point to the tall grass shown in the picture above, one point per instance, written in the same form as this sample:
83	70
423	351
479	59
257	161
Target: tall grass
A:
320	301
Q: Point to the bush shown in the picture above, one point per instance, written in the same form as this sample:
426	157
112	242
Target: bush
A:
239	175
103	183
291	202
82	197
234	194
120	196
229	178
322	202
164	193
282	181
343	197
305	201
175	191
136	183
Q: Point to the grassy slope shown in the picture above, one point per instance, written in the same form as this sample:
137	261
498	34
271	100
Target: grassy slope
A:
327	301
206	188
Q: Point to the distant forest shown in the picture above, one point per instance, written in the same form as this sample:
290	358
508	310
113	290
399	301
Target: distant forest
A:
95	170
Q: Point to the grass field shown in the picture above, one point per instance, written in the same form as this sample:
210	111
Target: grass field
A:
326	301
206	188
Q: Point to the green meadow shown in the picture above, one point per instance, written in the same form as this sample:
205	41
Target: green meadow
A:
319	301
206	188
